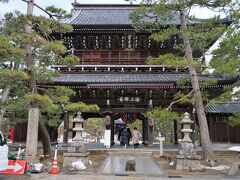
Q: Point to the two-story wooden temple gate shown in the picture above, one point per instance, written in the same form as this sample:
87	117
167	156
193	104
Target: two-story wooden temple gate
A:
120	90
112	71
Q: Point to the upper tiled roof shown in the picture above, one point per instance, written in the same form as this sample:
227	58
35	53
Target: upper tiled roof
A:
86	14
226	108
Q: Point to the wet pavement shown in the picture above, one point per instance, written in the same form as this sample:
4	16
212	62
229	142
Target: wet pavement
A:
116	165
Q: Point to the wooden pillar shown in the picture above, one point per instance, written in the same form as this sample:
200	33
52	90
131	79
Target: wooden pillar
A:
66	128
145	131
175	132
112	131
150	131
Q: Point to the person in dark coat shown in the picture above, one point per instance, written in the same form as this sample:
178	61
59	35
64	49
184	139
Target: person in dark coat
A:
120	136
125	137
129	135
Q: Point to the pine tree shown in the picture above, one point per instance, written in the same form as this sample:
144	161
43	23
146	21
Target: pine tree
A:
41	50
194	35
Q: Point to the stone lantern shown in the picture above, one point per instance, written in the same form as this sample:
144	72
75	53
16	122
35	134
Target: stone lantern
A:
78	127
76	149
186	130
187	157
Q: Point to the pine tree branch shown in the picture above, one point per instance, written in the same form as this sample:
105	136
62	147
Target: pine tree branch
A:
174	102
39	7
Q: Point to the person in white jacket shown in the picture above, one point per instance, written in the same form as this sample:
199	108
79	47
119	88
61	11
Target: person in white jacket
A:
135	137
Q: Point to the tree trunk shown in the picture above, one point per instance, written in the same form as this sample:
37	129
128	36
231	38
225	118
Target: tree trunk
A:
205	138
5	95
46	142
33	117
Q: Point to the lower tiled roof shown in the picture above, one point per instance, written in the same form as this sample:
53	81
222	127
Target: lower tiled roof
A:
116	78
124	78
224	108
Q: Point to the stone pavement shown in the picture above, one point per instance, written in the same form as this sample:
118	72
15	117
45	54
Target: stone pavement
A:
117	147
45	176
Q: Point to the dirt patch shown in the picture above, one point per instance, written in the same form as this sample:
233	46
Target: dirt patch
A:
170	171
95	162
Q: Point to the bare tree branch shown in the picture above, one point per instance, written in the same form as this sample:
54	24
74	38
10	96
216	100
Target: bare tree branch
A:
174	102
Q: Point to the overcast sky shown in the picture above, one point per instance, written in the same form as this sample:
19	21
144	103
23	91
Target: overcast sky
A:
13	5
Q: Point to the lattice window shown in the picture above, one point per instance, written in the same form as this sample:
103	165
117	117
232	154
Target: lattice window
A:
104	42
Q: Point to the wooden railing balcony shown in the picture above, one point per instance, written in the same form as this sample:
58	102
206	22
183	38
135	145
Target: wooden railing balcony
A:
119	69
113	61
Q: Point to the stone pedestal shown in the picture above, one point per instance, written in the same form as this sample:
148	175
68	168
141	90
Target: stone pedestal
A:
69	158
186	155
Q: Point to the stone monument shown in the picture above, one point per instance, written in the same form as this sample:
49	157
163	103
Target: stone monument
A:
187	158
76	149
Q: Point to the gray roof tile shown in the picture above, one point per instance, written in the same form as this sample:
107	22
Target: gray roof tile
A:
108	15
226	108
124	78
116	78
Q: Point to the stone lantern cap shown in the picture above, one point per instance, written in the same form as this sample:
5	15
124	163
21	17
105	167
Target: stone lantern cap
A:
78	118
186	119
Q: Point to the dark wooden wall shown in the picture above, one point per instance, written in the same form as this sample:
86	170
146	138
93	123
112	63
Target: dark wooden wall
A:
20	133
221	131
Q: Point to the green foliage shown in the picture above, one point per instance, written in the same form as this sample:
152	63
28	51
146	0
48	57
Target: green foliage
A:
11	77
60	94
58	13
234	120
205	33
39	100
168	60
226	58
161	17
9	50
44	74
226	66
80	106
56	47
163	120
70	61
209	82
184	98
165	34
95	128
183	81
137	124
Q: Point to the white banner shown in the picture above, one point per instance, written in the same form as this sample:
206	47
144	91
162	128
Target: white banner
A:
107	138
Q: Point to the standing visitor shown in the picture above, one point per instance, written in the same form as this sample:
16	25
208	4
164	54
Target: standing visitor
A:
129	135
125	137
135	138
120	136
